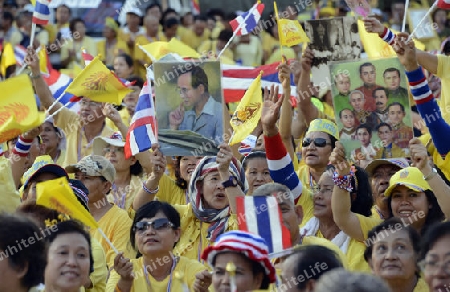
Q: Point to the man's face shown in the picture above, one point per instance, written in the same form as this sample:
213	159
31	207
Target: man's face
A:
191	96
131	99
357	102
392	80
91	110
381	100
395	115
199	27
154	11
385	135
347	118
368	75
152	25
343	84
31	189
62	14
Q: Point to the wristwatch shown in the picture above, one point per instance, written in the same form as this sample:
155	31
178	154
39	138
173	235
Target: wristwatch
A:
231	182
431	174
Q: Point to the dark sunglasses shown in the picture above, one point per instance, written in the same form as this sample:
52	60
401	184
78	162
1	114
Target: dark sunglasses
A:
319	142
158	224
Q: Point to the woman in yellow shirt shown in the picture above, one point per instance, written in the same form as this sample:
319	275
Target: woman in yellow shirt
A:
154	233
111	46
392	255
123	66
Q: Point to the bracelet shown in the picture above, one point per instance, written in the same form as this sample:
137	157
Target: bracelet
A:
343	181
431	174
22	146
35	76
150	191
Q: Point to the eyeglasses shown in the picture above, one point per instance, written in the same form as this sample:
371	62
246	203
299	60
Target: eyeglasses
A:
183	90
111	149
89	103
157	224
432	267
319	142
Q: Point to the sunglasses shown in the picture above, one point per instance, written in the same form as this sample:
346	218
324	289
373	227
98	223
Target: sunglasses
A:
158	224
319	142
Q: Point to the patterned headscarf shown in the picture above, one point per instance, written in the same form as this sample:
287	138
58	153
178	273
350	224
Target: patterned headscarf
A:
218	217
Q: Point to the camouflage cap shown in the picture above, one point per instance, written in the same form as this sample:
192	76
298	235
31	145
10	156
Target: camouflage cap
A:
94	165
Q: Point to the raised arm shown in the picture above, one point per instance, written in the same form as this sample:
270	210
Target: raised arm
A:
304	89
340	200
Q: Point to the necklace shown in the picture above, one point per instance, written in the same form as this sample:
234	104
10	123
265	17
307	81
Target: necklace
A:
169	284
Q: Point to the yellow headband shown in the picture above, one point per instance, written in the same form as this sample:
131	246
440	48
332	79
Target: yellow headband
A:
111	23
324	125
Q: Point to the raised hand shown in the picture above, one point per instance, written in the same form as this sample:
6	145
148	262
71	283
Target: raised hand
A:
373	25
337	159
176	117
419	155
32	60
296	70
271	110
202	281
111	113
284	75
307	59
124	268
224	157
406	51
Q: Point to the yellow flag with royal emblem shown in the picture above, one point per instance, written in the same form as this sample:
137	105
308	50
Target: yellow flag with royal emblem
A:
291	33
157	50
248	112
18	108
99	84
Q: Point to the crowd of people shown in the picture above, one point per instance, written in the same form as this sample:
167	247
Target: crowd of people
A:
172	223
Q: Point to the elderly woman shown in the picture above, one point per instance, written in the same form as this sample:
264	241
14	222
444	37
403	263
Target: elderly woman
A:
155	232
256	170
21	266
54	141
392	253
208	213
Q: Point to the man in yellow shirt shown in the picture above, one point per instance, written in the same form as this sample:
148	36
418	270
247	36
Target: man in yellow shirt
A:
197	34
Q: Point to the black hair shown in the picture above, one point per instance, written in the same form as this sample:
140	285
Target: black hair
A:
167	12
446	48
344	109
362	202
74	22
153	5
200	18
64	5
198	75
216	12
434	233
14	229
435	213
230	16
402	107
308	256
150	210
252	155
8	16
170	22
380	88
383	124
38	214
136	168
366	64
138	81
127	59
364	126
392	69
73	227
225	35
179	181
391	225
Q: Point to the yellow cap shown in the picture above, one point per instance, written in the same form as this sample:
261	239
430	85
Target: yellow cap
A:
410	177
111	23
324	125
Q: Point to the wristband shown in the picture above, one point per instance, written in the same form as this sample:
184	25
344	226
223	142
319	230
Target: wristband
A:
22	146
343	181
150	191
35	76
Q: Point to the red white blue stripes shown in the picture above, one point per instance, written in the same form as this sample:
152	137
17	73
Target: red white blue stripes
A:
41	14
22	147
443	4
20	52
86	57
249	21
57	84
388	36
419	87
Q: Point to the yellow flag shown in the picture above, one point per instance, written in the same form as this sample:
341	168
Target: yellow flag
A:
7	58
291	33
58	195
98	83
43	61
156	49
18	109
159	49
375	47
246	117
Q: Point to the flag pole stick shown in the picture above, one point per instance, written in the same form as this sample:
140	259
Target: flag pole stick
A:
236	31
24	65
278	27
147	53
107	240
422	20
55	102
33	31
56	112
404	16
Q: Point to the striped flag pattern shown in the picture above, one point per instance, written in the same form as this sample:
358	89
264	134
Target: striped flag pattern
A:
41	14
195	7
250	23
58	83
86	57
261	215
20	52
143	129
443	4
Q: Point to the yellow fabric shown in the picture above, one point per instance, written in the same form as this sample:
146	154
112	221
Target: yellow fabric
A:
9	196
192	40
71	124
87	43
116	225
8	58
444	74
306	199
42	36
193	233
188	268
269	43
98	83
53	30
131	191
291	33
126	119
209	47
410	177
18	109
375	214
169	192
367	223
313	240
140	56
441	163
248	113
277	54
100	274
37	164
108	55
249	54
421	286
324	125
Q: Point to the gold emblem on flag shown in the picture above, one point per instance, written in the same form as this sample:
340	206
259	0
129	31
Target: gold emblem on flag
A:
247	113
96	82
16	109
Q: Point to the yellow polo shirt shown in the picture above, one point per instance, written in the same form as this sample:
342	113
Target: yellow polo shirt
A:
169	192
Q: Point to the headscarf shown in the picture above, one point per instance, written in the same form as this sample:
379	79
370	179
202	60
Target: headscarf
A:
218	217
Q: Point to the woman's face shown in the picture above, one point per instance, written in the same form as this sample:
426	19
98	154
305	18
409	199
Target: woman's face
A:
245	280
68	262
116	156
393	256
157	238
437	265
80	28
322	196
214	196
257	173
410	205
317	156
50	137
121	68
187	166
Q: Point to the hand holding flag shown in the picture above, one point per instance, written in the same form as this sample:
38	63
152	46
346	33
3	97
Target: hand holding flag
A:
41	15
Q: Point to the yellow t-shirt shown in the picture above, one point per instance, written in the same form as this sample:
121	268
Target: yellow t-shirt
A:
9	196
193	233
367	223
139	55
108	54
375	214
71	124
126	119
209	46
100	274
169	192
116	225
444	74
421	286
192	40
87	43
313	240
115	197
306	199
441	163
277	54
189	268
250	54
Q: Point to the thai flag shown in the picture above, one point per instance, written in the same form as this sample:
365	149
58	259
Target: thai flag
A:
250	22
86	57
195	6
20	52
143	129
41	13
443	4
237	79
261	215
58	83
